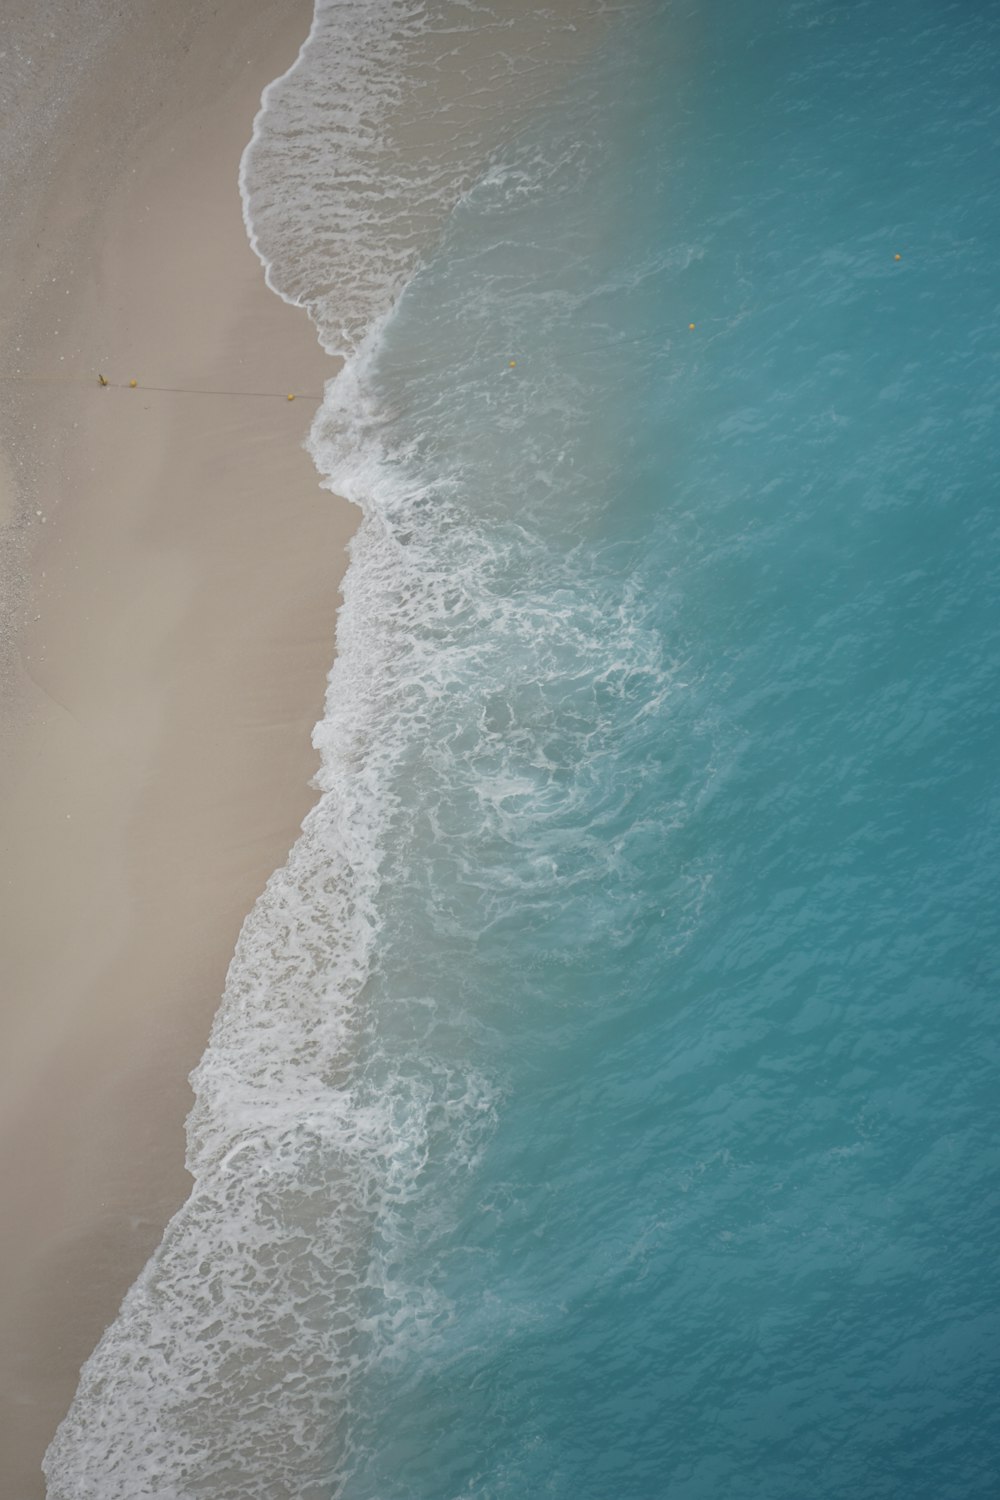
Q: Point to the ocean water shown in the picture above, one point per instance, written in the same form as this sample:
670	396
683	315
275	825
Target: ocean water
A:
604	1100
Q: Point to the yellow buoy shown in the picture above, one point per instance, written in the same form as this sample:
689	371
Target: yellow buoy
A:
512	364
897	257
133	384
691	326
290	396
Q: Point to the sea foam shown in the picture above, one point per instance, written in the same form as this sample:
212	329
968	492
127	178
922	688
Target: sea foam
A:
230	1369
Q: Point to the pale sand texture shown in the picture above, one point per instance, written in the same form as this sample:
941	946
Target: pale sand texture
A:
180	616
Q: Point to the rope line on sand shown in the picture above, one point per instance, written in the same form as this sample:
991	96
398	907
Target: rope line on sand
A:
173	390
188	390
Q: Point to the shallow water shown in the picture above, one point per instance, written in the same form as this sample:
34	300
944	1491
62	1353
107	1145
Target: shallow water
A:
604	1101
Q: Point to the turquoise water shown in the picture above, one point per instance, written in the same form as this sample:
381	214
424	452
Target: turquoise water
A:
605	1102
708	892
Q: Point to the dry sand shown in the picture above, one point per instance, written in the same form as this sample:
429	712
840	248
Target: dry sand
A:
178	620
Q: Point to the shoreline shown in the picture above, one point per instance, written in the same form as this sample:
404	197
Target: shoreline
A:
178	610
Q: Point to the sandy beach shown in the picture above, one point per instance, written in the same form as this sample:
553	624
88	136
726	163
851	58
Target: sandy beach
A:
174	623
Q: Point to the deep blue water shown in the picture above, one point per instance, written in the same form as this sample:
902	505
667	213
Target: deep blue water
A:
696	850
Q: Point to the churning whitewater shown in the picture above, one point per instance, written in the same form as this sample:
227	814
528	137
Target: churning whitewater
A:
231	1367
